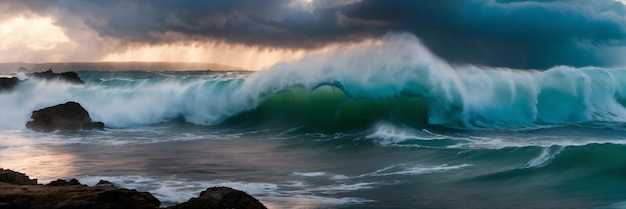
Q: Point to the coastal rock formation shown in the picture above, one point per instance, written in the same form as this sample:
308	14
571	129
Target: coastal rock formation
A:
70	77
221	198
104	183
61	182
68	116
7	84
12	177
73	195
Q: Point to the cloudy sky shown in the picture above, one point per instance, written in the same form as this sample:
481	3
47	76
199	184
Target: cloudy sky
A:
254	34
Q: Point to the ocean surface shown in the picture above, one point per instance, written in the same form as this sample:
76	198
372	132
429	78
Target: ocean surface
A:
382	126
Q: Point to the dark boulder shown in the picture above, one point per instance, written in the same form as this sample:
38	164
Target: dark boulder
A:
104	183
12	177
61	182
68	116
221	198
18	191
8	84
70	77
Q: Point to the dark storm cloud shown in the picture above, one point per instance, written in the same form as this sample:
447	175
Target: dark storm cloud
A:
523	34
266	23
509	33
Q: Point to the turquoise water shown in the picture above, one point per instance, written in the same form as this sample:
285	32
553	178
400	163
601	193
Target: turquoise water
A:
401	129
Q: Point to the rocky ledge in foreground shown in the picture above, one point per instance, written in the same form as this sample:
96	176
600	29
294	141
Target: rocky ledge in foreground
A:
72	195
68	116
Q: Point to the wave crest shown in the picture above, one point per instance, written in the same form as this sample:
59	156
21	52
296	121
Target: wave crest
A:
395	80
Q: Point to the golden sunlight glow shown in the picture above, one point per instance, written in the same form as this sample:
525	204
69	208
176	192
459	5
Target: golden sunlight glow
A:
250	58
36	33
37	39
38	162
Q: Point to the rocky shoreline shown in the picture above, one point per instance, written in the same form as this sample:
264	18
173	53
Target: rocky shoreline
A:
18	191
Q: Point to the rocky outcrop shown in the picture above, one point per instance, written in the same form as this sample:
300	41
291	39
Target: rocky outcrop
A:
12	177
68	116
104	183
8	84
62	194
74	197
221	198
61	182
70	77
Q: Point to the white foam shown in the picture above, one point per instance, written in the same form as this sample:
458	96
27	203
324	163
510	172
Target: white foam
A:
400	169
308	201
171	190
404	169
310	174
389	135
545	157
30	95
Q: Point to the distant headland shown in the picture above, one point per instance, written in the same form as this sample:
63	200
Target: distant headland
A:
115	66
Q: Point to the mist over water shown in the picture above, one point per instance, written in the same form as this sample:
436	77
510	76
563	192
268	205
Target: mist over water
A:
383	124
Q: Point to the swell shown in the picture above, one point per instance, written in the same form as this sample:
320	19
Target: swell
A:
327	108
396	80
581	166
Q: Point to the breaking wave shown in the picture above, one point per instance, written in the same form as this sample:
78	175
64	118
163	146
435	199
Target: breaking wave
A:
396	80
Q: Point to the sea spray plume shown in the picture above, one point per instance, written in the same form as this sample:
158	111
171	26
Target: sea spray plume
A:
463	96
378	69
204	100
17	105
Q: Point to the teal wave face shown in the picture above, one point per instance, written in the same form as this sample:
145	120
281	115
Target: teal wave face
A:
328	108
465	99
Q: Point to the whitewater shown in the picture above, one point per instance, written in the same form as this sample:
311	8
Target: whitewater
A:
385	124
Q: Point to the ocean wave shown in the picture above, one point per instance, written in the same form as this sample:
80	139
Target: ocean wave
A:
396	80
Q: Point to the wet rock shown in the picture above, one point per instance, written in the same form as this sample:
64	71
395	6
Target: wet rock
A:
104	183
63	194
221	198
61	182
13	177
70	77
74	197
68	116
8	84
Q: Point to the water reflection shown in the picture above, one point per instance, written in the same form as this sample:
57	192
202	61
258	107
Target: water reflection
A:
34	156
